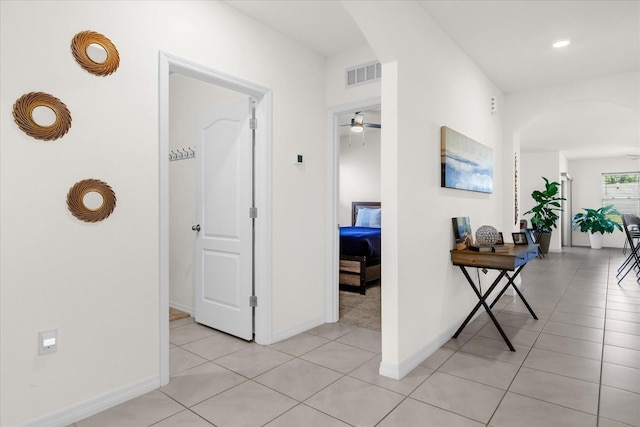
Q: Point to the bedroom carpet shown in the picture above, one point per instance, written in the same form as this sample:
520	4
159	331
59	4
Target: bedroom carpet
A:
361	310
175	314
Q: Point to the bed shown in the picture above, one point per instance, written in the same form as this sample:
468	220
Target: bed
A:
360	248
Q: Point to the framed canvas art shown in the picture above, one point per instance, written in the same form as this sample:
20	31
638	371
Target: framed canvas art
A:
465	163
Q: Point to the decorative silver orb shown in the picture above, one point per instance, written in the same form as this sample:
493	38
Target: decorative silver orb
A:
486	236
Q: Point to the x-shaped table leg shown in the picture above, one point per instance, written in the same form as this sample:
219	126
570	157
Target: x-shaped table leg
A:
510	283
483	303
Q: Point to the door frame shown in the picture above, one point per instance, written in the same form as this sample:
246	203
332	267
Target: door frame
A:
566	188
332	203
169	64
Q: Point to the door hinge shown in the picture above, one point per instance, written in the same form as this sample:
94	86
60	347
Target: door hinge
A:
253	212
253	123
253	301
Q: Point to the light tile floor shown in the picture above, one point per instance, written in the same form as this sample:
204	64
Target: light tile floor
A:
579	365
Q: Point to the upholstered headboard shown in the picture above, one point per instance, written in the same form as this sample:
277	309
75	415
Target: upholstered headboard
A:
357	205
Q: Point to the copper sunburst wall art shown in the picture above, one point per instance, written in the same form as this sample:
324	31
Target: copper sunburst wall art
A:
23	115
77	204
95	53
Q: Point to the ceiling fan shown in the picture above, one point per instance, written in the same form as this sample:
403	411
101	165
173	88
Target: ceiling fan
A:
357	123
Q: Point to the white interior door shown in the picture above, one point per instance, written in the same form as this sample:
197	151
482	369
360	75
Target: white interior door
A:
224	246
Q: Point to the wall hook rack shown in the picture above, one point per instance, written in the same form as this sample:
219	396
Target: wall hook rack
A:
182	154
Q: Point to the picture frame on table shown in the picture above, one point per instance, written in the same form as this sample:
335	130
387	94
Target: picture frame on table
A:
500	240
520	238
462	232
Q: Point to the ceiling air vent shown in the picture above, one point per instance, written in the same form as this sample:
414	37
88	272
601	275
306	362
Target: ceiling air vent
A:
362	74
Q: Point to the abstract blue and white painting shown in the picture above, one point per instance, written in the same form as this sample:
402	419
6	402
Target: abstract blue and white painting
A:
466	164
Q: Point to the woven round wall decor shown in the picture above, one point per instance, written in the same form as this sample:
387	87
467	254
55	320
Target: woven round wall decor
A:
75	200
82	41
23	116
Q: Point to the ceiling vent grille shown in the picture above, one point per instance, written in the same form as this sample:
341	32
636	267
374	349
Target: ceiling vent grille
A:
363	74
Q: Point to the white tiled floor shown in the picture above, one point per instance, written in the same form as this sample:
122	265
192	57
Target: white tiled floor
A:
579	365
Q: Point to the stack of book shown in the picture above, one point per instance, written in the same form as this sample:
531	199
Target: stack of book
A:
481	248
496	248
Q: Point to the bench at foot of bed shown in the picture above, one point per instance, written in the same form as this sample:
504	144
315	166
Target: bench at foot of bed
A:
357	271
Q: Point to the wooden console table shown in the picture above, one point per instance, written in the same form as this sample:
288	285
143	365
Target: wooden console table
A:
508	258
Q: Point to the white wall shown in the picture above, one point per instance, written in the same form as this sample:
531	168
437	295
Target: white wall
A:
587	192
336	91
359	170
98	283
523	107
427	82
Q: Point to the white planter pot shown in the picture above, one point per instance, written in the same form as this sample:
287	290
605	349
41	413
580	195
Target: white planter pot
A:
596	240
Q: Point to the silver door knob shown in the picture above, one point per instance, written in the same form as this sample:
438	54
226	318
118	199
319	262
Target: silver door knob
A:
196	227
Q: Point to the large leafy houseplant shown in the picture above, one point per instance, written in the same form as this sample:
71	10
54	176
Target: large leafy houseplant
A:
596	220
544	217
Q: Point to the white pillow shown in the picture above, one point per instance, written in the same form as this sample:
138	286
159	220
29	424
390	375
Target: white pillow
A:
368	217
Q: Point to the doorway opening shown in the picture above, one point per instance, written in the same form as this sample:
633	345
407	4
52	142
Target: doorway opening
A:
338	214
223	84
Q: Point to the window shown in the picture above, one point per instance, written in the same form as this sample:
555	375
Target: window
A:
622	191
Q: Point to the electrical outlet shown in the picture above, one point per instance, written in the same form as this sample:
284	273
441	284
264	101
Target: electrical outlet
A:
47	342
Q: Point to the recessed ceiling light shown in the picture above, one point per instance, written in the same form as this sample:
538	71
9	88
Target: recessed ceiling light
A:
561	43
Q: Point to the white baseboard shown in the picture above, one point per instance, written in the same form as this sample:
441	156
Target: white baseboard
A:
89	407
397	372
190	310
297	329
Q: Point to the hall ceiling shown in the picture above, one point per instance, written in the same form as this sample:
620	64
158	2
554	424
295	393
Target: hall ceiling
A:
511	42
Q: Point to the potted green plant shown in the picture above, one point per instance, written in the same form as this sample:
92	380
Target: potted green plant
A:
596	222
544	217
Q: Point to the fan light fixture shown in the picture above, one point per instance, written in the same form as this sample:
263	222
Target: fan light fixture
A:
356	127
356	123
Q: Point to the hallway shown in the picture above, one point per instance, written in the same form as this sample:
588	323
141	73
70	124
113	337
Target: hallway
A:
578	365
